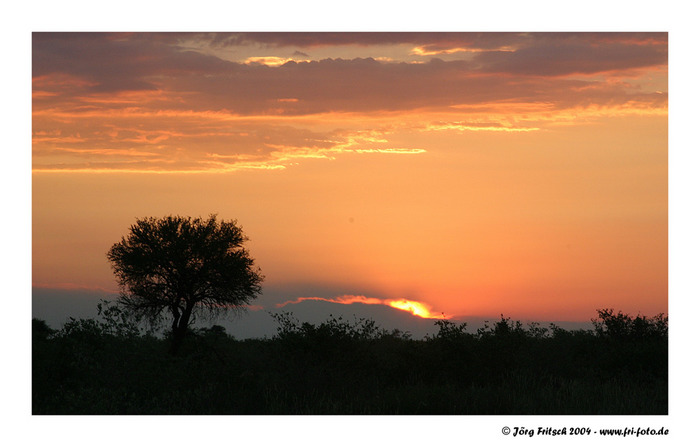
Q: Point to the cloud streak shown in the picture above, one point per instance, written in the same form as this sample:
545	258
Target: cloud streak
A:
416	308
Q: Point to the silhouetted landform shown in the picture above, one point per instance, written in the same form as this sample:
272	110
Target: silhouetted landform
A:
114	366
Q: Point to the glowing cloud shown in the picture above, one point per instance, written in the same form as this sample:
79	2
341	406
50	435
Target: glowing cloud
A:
422	51
417	308
478	128
391	151
270	61
433	50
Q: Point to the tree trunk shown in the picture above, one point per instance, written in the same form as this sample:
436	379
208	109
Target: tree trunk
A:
180	323
176	337
176	317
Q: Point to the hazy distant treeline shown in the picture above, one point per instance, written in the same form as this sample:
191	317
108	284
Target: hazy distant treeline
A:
114	366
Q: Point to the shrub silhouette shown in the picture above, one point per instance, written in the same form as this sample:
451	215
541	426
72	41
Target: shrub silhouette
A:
622	326
340	366
40	330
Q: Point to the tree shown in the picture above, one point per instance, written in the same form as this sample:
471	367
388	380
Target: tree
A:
182	267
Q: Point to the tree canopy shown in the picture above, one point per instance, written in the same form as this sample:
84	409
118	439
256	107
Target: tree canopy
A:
180	266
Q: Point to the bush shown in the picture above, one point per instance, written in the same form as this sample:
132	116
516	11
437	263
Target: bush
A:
622	326
353	367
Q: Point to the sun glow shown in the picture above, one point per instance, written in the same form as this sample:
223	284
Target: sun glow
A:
417	308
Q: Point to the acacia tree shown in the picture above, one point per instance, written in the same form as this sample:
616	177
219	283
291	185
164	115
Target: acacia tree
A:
180	266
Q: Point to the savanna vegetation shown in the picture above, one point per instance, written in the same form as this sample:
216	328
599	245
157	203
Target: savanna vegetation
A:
114	365
179	267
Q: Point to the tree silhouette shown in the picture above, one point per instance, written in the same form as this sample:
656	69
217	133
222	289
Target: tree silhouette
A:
182	266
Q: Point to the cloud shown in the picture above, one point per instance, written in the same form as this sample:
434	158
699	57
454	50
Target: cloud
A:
147	61
323	39
560	58
476	127
270	61
114	64
416	308
136	141
174	102
362	85
435	40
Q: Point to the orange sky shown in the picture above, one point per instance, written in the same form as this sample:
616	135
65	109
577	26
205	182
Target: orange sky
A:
477	174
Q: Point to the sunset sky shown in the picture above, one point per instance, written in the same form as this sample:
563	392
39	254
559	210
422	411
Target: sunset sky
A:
448	174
